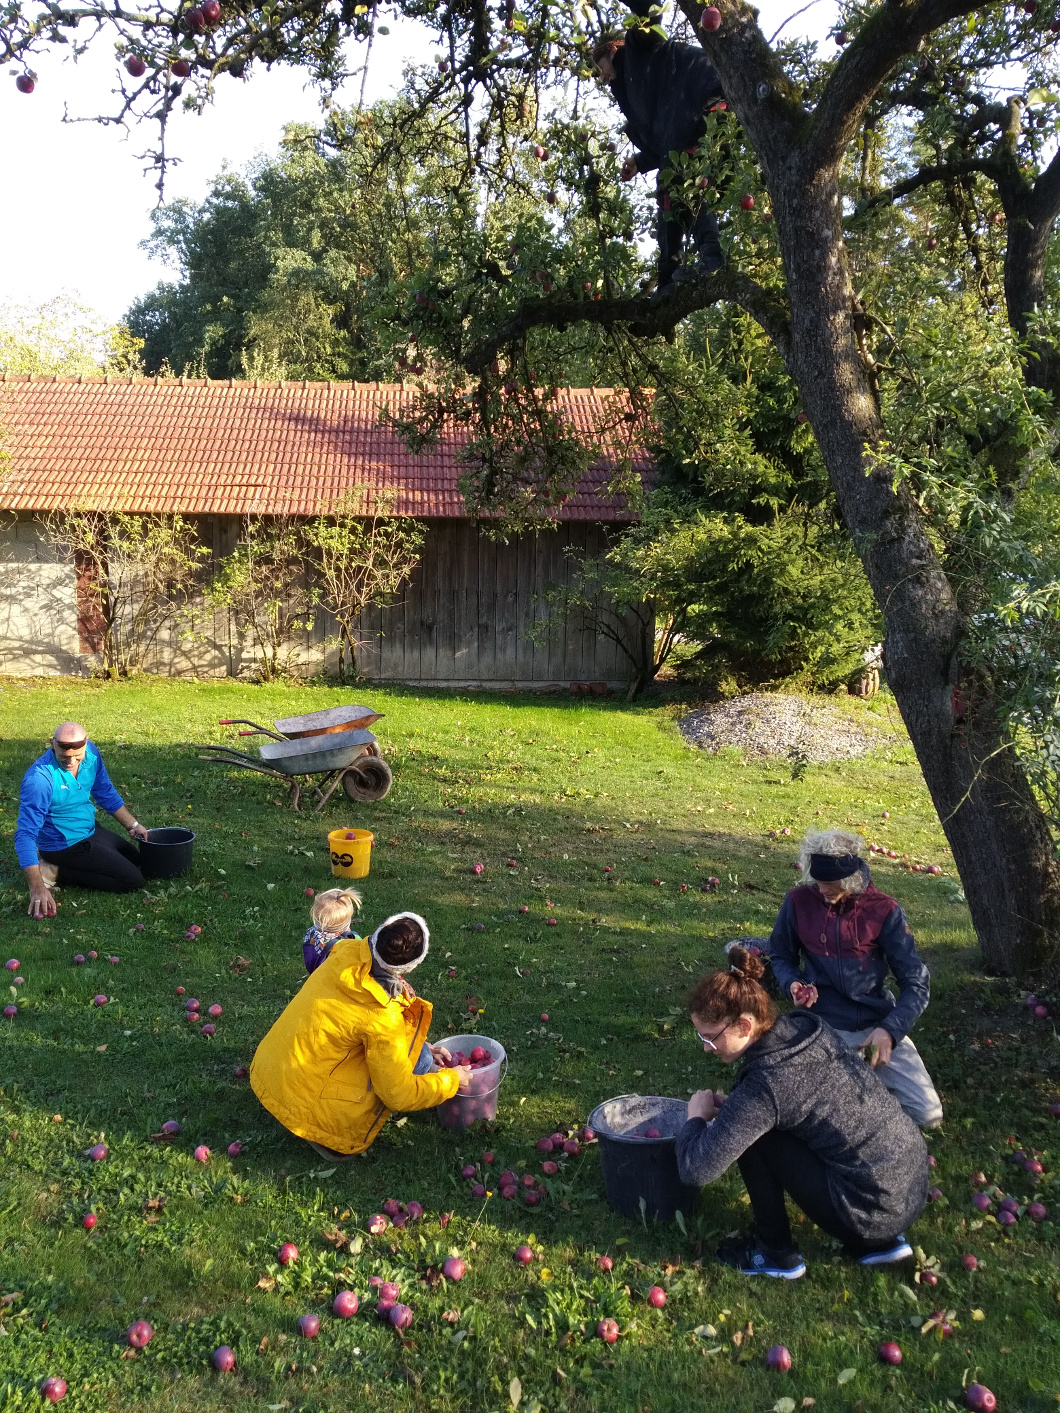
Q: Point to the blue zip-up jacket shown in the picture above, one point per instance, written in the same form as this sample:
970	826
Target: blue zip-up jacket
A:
846	950
57	809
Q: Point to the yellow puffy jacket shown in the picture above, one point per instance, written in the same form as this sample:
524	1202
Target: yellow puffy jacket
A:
339	1059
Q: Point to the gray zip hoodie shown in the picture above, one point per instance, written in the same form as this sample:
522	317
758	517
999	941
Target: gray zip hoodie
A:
801	1078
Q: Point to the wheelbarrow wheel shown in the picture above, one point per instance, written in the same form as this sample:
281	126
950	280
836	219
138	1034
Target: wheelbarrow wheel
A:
370	779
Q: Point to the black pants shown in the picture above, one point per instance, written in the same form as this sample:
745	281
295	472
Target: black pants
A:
779	1163
102	861
676	223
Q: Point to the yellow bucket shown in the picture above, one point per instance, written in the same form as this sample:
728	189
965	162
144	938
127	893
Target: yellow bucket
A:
351	852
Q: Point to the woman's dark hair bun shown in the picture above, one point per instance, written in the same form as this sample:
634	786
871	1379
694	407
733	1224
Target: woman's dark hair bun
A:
745	961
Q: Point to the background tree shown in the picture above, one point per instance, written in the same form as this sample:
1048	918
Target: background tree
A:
364	556
265	584
135	575
66	338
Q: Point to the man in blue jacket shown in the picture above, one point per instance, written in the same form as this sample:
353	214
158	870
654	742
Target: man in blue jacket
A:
57	839
664	89
835	941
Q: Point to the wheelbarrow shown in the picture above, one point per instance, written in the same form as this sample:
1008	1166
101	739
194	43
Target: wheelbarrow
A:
334	743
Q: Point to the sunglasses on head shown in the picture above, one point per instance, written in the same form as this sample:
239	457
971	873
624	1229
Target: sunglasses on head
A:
67	746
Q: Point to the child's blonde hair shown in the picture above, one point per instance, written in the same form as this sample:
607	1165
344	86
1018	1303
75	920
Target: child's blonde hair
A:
333	910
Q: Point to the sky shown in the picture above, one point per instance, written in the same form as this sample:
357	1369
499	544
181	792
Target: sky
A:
78	200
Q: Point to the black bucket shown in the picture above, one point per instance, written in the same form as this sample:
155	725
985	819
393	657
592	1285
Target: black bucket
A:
166	853
640	1174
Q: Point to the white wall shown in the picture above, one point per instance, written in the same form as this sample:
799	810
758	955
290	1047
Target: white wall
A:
38	606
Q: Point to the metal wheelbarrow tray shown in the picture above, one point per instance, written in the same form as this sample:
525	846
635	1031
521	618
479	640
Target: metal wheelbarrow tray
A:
320	741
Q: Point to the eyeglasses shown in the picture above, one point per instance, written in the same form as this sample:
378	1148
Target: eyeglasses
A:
67	747
711	1044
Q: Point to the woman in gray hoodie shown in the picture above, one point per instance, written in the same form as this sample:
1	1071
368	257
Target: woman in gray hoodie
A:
806	1118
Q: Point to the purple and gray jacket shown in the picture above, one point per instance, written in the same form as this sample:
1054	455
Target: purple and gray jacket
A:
847	950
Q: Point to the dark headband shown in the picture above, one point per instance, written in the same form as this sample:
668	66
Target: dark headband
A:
830	868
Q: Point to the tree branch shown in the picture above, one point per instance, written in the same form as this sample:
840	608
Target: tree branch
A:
645	320
886	36
924	177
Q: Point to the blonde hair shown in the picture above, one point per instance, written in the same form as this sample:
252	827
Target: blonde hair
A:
835	843
333	910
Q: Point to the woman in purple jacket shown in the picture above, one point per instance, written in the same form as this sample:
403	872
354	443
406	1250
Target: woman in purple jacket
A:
835	942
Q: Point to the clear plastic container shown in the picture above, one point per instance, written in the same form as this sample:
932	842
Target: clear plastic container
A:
480	1102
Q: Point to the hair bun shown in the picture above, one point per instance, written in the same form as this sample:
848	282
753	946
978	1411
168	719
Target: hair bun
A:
746	962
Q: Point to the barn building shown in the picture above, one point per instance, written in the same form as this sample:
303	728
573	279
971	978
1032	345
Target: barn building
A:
217	451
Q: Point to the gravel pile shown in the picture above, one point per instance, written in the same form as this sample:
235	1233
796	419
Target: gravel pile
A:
773	724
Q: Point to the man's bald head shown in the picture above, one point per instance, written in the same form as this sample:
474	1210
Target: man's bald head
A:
69	733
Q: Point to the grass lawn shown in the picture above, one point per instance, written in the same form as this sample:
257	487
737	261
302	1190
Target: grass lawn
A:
566	790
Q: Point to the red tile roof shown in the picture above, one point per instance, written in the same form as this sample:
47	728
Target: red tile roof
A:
205	447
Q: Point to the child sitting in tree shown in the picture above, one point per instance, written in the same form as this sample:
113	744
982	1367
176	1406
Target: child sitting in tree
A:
351	1047
332	913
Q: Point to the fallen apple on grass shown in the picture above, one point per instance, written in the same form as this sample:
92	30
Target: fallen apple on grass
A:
201	1154
888	1353
453	1269
235	1148
980	1399
89	1220
12	965
524	1255
287	1254
970	1262
10	1012
97	1152
778	1358
99	1000
400	1316
608	1331
139	1334
605	1263
223	1358
53	1389
377	1224
309	1326
345	1305
657	1297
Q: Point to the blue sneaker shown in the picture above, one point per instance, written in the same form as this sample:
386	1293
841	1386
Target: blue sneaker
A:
744	1254
900	1251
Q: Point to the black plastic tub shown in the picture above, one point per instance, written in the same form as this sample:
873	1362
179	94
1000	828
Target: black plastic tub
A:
640	1174
166	853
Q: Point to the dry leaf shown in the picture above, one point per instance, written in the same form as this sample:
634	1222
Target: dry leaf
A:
451	1317
266	1283
336	1236
264	1344
808	1402
153	1204
239	966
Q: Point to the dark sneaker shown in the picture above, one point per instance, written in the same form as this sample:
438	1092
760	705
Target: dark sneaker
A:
900	1251
744	1254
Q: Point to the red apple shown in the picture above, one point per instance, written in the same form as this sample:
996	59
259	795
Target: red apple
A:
928	1278
223	1358
345	1305
652	1132
540	153
201	1154
657	1297
572	1147
10	1012
241	1072
747	202
478	868
12	965
79	961
98	1152
209	1030
711	19
453	1269
778	1358
1007	1218
524	1255
934	1193
234	1149
605	1263
980	1399
377	1224
139	1334
215	1011
135	66
99	1000
400	1316
467	1171
889	1353
531	1197
981	1202
53	1389
211	11
89	1220
25	84
842	37
1037	1212
1041	1012
92	956
478	1190
549	1168
180	68
608	1331
415	1211
287	1254
979	1179
309	1326
171	1128
970	1262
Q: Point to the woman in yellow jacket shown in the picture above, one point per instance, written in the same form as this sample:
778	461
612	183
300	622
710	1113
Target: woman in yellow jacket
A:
351	1047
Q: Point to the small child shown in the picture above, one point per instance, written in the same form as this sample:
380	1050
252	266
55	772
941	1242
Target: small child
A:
332	912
